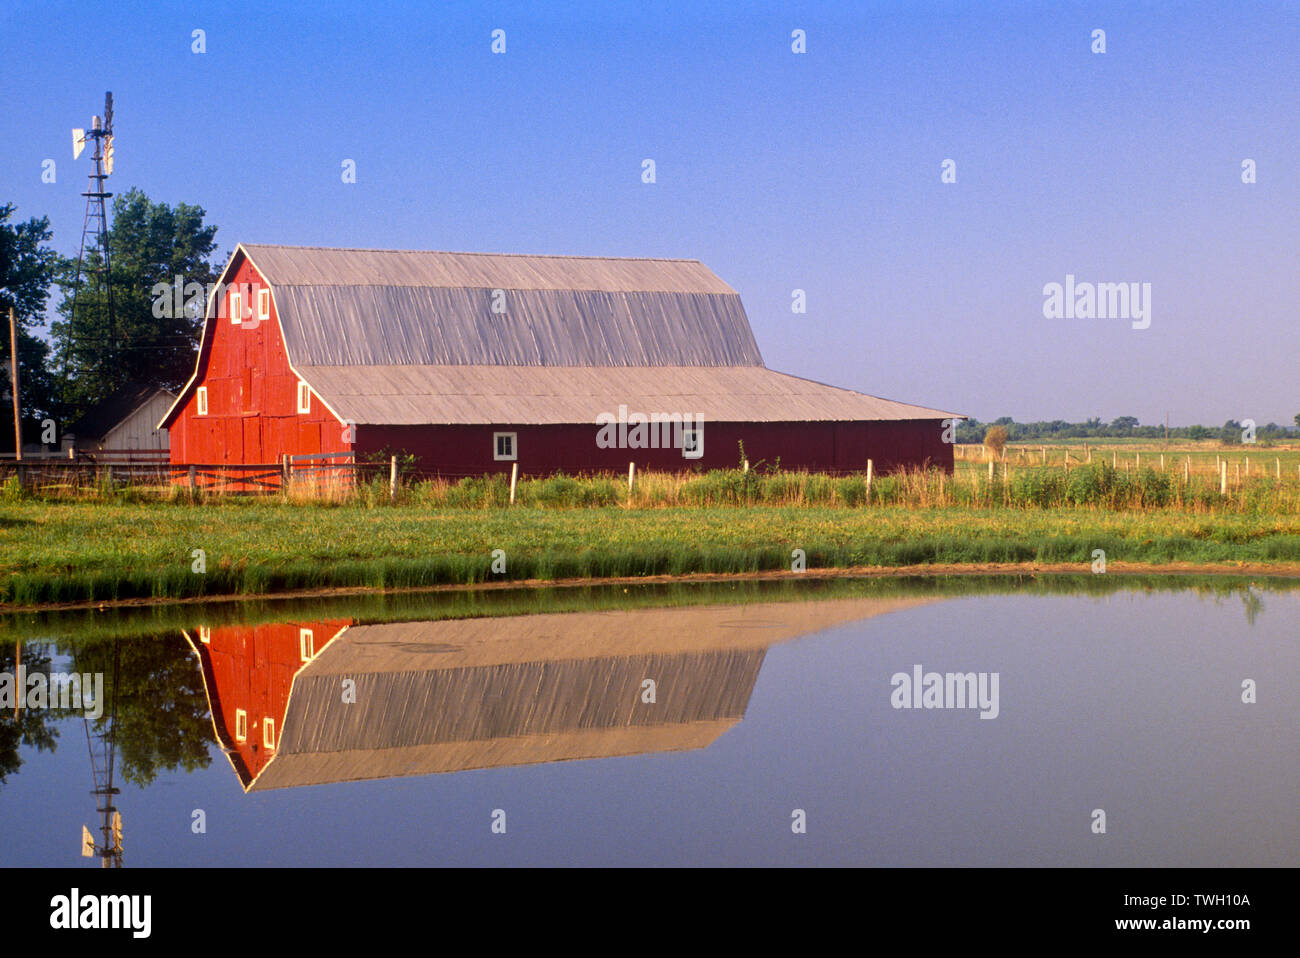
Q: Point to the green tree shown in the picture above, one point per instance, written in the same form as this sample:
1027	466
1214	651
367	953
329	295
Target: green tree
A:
149	340
27	268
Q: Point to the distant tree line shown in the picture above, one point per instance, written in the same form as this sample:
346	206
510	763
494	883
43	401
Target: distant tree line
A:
1123	427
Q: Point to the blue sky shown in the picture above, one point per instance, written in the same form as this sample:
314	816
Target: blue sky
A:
817	171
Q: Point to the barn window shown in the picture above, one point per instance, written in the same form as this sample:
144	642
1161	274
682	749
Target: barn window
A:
236	308
692	443
306	644
264	304
205	634
241	725
304	397
504	446
268	733
203	400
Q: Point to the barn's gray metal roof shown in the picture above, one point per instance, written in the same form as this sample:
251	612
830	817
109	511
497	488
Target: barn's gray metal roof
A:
391	307
465	395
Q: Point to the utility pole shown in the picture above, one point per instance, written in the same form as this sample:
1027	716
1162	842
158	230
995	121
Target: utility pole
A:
13	378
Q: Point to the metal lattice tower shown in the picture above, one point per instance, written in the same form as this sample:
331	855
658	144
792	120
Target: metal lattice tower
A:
102	763
94	226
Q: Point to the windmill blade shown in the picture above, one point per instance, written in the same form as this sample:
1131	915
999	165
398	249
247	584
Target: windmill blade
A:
108	156
108	112
87	843
78	142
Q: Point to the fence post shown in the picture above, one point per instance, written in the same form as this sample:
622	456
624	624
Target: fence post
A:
1187	471
631	477
1223	478
194	478
1114	459
392	479
870	470
72	452
1279	467
514	477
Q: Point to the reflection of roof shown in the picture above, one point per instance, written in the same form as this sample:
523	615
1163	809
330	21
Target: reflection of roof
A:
100	419
460	694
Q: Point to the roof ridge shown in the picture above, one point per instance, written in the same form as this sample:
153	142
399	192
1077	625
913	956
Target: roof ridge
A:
453	252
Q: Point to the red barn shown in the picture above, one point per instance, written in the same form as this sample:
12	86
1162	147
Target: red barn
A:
473	361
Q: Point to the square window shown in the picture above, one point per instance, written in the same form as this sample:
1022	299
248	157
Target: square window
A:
264	304
241	725
692	443
268	733
306	644
203	400
503	446
236	308
304	397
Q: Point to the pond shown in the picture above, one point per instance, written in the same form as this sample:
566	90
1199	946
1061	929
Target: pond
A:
971	721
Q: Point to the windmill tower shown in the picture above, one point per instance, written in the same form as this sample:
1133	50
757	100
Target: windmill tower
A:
94	227
102	746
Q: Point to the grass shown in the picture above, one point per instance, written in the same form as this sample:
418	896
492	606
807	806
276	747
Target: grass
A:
94	551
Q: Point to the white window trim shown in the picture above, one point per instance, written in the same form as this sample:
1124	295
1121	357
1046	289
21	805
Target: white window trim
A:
236	308
205	634
241	725
514	447
202	401
268	733
304	397
306	644
263	304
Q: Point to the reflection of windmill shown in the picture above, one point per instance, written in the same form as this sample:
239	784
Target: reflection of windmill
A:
102	746
95	224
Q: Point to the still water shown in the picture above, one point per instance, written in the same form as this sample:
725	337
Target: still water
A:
925	722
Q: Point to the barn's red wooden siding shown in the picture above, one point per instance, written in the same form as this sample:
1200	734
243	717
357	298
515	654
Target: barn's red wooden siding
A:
822	446
250	668
252	395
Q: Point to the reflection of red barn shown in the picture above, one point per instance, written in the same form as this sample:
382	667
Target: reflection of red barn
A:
248	672
445	696
473	362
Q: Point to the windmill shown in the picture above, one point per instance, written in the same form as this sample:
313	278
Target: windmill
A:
94	227
109	849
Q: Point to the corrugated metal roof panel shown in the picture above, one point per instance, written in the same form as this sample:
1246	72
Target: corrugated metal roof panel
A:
321	266
465	395
398	325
